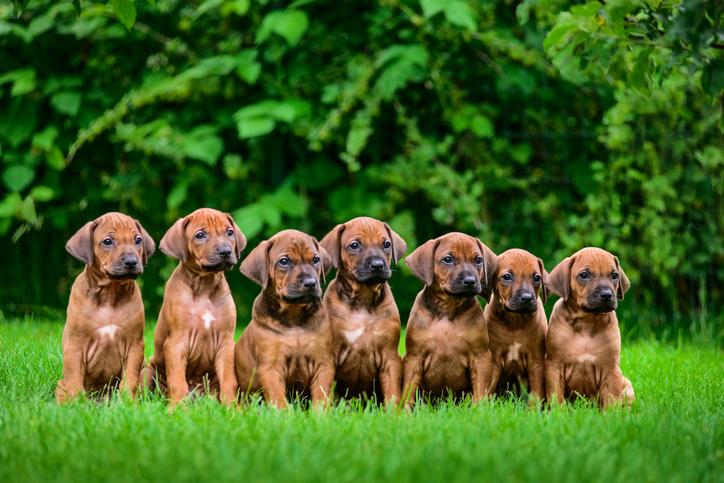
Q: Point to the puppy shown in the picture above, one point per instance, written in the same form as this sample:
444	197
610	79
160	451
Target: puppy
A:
447	337
287	346
362	312
194	338
517	325
102	340
584	343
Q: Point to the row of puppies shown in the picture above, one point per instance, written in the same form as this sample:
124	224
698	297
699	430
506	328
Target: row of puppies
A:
299	341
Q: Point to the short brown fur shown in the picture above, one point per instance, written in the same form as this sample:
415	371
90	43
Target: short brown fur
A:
583	343
446	341
102	340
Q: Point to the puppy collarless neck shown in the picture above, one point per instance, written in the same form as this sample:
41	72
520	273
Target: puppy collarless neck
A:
269	306
588	322
359	295
200	281
442	305
106	291
510	319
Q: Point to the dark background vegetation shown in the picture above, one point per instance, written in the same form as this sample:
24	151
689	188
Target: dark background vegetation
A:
433	116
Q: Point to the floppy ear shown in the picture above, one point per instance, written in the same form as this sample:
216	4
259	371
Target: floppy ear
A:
326	261
490	266
149	246
623	283
421	262
239	238
256	265
332	244
80	245
173	242
399	247
559	280
544	290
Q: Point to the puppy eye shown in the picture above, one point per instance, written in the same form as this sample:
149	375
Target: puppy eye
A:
200	235
138	240
386	244
614	275
316	260
583	275
230	232
108	242
507	277
284	262
536	279
354	245
447	259
478	260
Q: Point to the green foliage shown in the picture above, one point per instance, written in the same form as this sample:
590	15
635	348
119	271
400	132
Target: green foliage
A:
527	128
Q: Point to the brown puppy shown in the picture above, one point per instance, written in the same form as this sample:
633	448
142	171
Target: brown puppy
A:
103	336
194	338
584	343
288	343
363	314
517	325
447	338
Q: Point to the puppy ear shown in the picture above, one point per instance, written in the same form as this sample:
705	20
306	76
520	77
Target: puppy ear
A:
421	262
490	266
544	290
173	242
326	261
623	283
256	265
559	280
332	244
399	247
149	246
239	238
80	245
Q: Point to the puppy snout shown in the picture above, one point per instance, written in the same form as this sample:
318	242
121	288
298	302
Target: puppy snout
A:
130	262
469	280
377	264
525	297
308	282
224	252
606	294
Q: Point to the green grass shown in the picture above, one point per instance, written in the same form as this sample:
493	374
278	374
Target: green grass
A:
675	431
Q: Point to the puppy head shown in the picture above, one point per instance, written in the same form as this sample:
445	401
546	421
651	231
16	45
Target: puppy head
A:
457	264
365	248
591	279
208	239
115	243
290	264
518	279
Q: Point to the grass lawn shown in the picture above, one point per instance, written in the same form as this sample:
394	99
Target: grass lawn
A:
675	431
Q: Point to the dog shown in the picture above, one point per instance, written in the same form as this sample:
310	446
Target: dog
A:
447	337
287	346
362	312
517	325
102	340
583	343
194	338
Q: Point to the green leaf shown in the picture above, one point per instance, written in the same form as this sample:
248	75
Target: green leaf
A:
588	10
482	126
432	7
27	210
522	12
299	3
23	81
10	205
66	102
44	139
55	159
712	77
205	7
126	12
460	14
556	35
249	219
42	193
177	195
19	118
203	144
249	73
290	24
250	127
617	10
17	178
640	78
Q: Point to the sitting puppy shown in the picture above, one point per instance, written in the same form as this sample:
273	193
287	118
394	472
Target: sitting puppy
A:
363	314
584	343
517	325
447	337
194	338
103	336
287	346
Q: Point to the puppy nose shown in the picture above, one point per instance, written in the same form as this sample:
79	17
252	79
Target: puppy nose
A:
525	297
606	294
377	264
130	262
309	282
469	280
224	252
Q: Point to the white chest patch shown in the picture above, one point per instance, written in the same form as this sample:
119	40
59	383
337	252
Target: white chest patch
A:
353	335
513	352
109	330
207	319
586	357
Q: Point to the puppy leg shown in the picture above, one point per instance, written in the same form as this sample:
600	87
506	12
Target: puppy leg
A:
132	369
555	386
614	391
321	385
627	395
536	378
273	387
176	360
412	369
481	375
391	377
225	372
495	376
73	375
